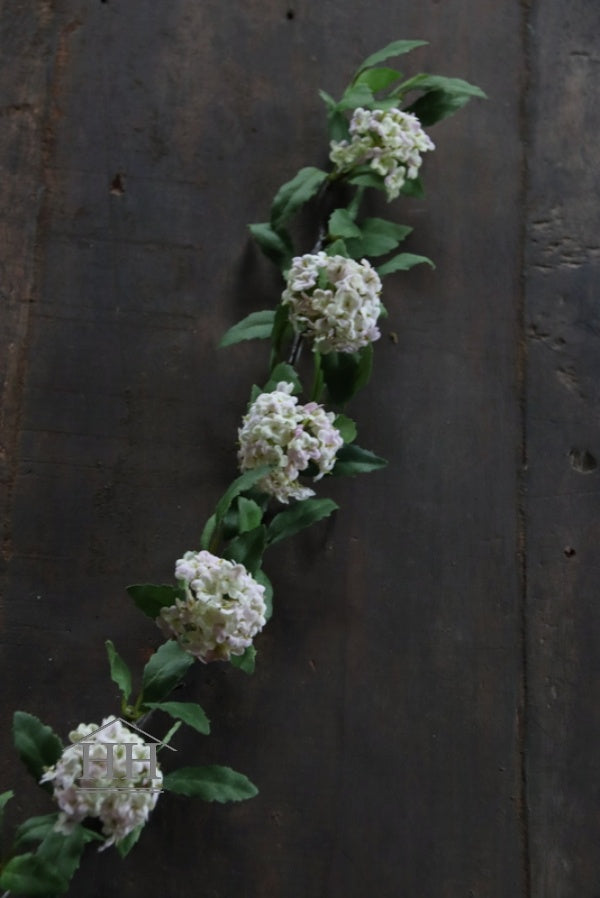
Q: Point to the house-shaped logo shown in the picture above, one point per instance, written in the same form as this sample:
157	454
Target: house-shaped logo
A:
119	755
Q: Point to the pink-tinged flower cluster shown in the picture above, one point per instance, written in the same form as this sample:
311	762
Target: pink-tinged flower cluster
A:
278	431
222	612
389	141
333	301
121	810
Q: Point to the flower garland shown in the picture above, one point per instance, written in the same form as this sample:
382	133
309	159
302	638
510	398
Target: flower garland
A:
108	780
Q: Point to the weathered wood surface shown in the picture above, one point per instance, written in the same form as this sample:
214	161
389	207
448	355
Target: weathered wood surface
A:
432	659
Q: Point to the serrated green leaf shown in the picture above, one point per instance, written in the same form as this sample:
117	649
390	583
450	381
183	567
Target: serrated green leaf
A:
262	578
212	783
379	78
337	248
338	126
363	177
255	326
125	845
355	96
451	86
413	187
63	851
295	193
119	672
346	427
341	224
150	598
403	262
208	531
28	874
276	245
248	548
189	712
35	829
240	485
378	236
283	372
396	48
298	517
245	662
346	373
327	99
167	666
249	514
354	460
38	745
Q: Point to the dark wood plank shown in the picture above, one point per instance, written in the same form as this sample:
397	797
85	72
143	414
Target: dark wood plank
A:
381	724
563	448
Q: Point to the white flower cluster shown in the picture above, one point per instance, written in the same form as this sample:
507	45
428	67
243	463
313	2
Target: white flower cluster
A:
334	301
97	795
223	610
390	141
278	431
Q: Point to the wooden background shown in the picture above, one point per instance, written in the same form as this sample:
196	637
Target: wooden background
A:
424	718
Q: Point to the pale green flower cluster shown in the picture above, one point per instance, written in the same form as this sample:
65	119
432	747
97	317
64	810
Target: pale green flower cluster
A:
222	612
333	301
120	811
277	431
389	141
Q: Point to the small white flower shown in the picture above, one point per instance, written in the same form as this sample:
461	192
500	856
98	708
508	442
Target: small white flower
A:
333	301
390	141
119	811
277	431
222	612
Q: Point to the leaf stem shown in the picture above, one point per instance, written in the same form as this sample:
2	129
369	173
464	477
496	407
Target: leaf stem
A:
317	386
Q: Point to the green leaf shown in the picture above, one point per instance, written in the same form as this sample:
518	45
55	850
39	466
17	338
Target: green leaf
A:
346	427
49	870
276	245
189	712
283	372
28	874
38	745
208	531
150	598
64	851
354	460
119	672
212	783
341	224
167	666
337	125
302	514
5	797
378	236
282	330
337	248
245	662
249	514
366	178
294	194
125	845
355	96
413	187
378	79
255	326
451	86
166	739
328	100
248	548
346	373
240	485
262	578
443	96
35	829
403	262
396	48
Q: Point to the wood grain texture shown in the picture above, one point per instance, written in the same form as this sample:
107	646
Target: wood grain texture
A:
563	450
382	725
